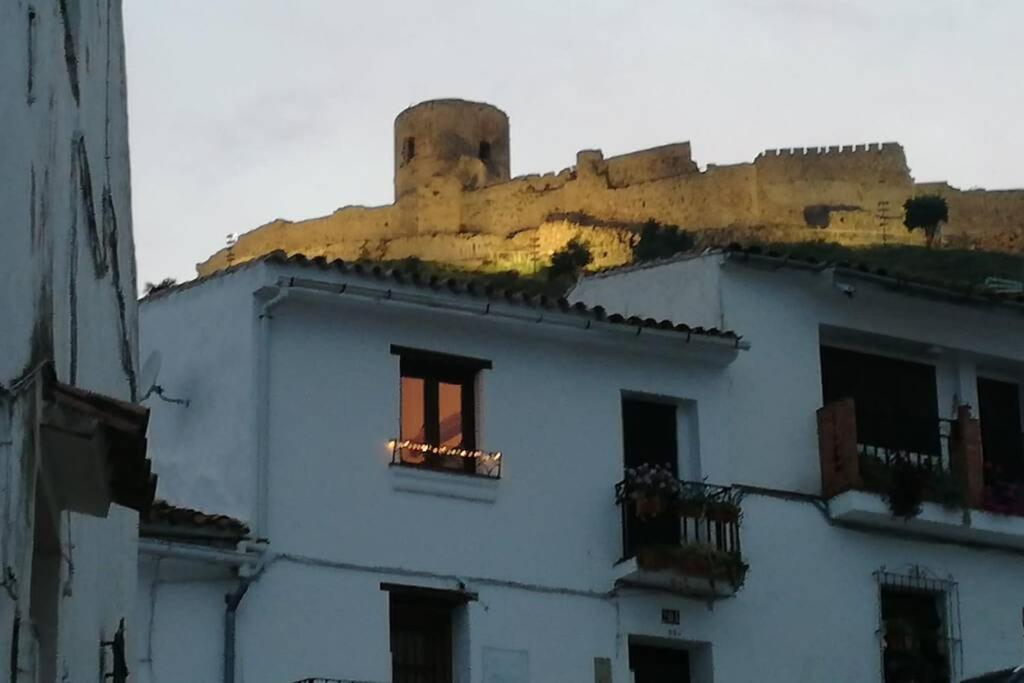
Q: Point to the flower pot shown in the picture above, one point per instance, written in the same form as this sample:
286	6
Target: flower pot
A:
648	507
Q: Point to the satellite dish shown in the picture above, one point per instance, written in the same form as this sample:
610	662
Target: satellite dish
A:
150	371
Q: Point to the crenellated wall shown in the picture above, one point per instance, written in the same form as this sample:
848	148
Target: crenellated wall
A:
465	212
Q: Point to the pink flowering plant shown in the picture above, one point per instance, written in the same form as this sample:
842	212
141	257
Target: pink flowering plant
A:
650	488
1002	495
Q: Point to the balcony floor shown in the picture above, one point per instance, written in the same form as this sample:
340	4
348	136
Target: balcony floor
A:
629	573
863	509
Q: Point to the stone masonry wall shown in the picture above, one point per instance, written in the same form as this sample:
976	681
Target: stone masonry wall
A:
852	195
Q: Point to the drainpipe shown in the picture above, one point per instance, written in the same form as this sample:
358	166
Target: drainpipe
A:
266	299
232	600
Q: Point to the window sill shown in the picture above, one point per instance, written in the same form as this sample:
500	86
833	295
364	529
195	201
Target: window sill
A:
458	485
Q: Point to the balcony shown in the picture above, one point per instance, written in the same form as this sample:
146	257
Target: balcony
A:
913	476
683	537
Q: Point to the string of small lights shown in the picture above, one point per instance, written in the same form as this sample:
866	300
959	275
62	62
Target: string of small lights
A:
442	450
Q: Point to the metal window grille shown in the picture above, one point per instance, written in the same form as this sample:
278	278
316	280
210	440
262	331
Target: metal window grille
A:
917	579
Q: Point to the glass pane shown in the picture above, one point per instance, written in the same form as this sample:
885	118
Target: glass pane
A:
449	413
412	422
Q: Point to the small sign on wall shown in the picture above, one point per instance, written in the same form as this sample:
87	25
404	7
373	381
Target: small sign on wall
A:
670	617
506	666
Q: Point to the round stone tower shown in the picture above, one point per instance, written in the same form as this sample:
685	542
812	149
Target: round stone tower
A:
467	141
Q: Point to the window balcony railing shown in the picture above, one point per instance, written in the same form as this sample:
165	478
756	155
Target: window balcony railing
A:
909	475
680	535
450	459
908	459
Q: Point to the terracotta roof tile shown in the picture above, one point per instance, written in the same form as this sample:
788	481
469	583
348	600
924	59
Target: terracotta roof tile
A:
467	287
165	519
958	291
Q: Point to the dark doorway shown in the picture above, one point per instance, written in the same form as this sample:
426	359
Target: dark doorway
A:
1002	444
649	437
896	400
651	664
421	640
484	153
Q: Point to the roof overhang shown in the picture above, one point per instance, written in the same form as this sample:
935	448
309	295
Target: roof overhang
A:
93	451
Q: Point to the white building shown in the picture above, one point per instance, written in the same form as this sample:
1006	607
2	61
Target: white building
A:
849	367
503	568
368	561
71	442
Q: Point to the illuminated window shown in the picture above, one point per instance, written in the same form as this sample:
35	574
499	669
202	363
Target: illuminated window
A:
438	407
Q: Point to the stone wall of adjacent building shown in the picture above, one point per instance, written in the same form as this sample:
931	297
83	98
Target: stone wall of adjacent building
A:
459	209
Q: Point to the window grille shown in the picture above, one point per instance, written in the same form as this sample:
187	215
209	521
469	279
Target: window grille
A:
919	580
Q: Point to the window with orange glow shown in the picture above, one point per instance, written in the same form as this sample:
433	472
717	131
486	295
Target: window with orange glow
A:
438	408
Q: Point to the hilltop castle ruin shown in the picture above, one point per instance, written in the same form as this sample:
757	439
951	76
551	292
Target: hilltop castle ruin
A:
456	202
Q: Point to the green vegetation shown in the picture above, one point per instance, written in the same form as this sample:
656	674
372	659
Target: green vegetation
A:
570	260
534	284
659	241
153	287
925	212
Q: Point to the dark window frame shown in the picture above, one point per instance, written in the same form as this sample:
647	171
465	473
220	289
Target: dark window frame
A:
435	368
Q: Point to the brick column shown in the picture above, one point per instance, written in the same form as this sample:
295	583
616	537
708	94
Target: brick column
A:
965	456
837	448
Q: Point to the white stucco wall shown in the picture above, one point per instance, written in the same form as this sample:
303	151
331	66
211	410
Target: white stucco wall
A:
68	272
540	555
204	453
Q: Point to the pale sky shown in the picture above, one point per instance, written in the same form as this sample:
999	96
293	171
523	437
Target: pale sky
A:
243	111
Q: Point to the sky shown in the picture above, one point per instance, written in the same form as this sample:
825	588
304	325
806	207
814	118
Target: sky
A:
243	111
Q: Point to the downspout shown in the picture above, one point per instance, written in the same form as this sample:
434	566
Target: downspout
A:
232	600
266	299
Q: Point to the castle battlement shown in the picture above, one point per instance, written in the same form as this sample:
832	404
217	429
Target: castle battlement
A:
833	150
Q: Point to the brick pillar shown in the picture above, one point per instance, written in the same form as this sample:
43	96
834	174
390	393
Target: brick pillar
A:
837	448
965	456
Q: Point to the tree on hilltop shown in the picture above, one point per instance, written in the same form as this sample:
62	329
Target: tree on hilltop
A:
926	212
570	259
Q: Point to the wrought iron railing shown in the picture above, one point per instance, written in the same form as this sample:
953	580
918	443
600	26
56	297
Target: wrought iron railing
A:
700	515
454	459
892	437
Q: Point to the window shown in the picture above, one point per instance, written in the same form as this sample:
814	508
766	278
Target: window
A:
485	151
896	401
649	437
652	664
915	644
408	149
1003	445
438	409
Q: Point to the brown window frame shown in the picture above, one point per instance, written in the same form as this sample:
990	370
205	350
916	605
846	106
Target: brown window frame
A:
435	368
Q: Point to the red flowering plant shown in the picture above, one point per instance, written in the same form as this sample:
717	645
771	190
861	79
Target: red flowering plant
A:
1002	494
652	489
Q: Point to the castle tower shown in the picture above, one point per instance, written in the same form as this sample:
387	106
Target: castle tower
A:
452	138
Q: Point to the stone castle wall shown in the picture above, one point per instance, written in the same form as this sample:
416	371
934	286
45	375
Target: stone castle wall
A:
465	213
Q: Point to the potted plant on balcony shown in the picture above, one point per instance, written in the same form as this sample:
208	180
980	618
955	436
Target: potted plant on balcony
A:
700	560
651	489
706	502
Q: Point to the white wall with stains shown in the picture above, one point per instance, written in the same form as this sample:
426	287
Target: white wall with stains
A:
67	270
